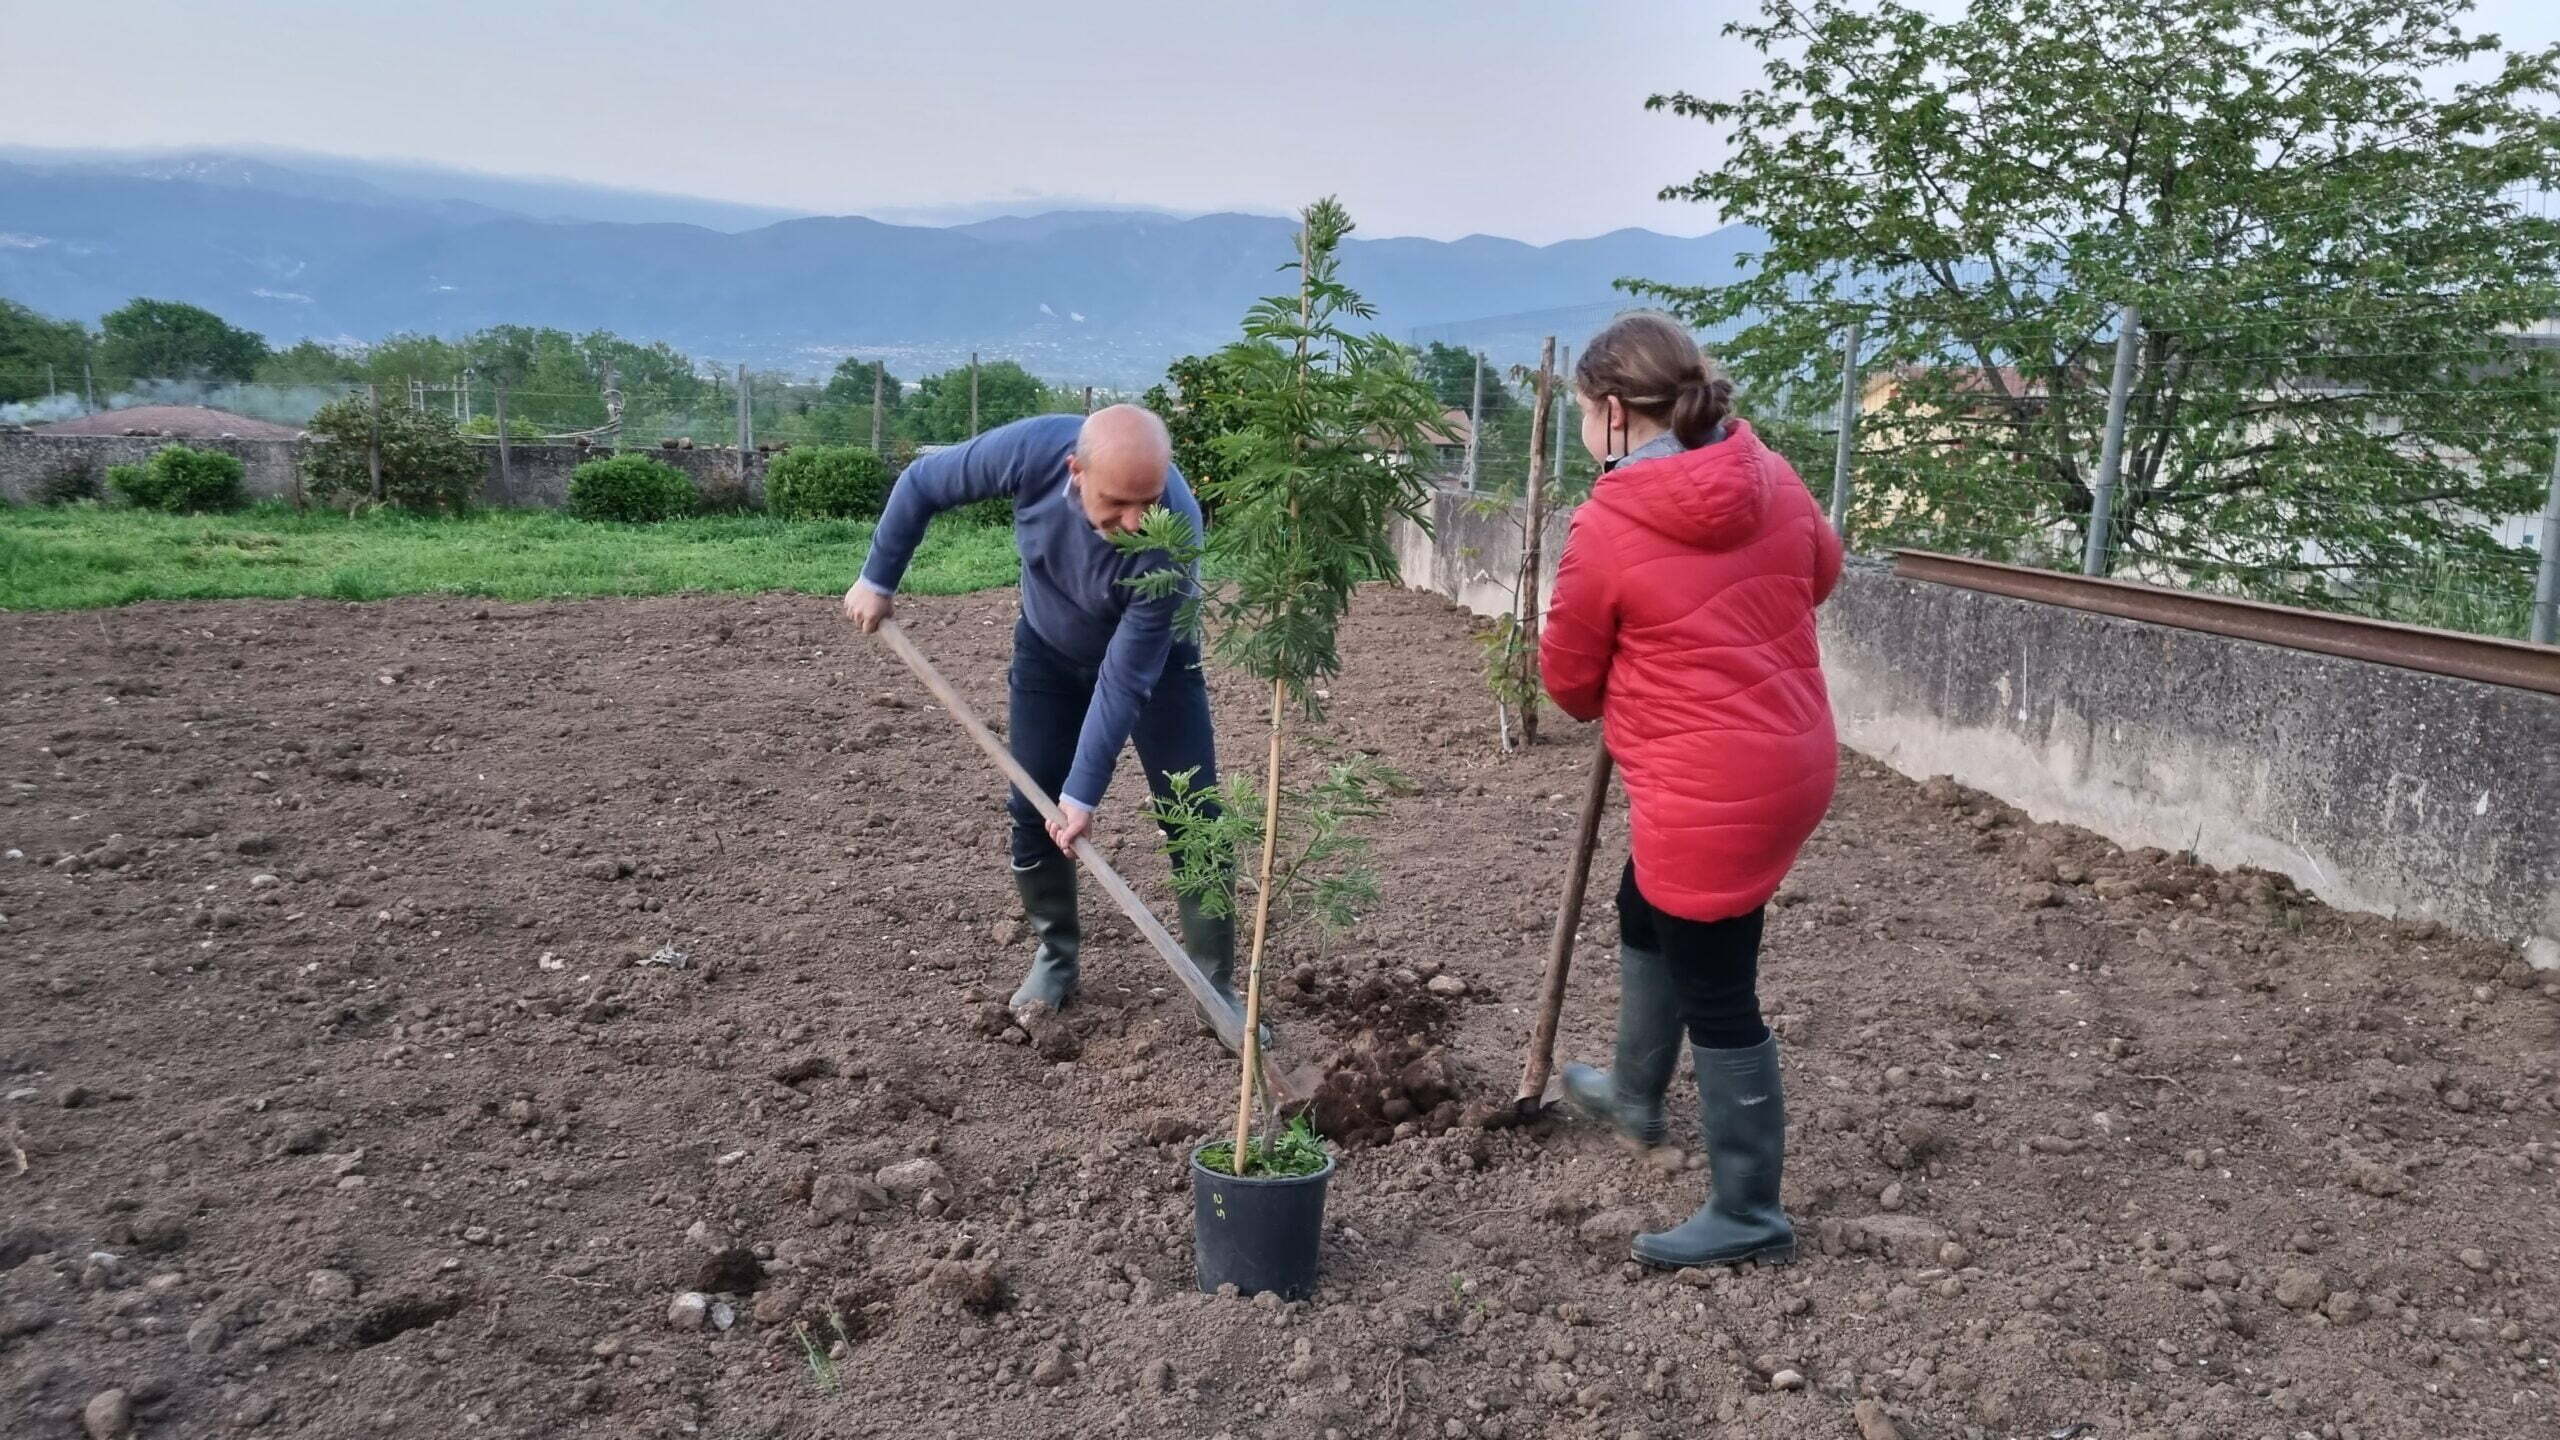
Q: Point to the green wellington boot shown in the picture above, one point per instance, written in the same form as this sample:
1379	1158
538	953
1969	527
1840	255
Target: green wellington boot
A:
1742	1111
1049	899
1210	941
1627	1096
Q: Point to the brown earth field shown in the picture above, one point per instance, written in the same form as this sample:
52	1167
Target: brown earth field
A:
402	1005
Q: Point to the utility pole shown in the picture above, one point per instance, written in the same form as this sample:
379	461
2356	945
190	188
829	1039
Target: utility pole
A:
1846	444
2546	582
373	438
879	389
1475	422
973	394
2102	503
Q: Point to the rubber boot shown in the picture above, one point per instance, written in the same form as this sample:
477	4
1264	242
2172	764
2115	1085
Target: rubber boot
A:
1742	1111
1048	891
1210	941
1628	1095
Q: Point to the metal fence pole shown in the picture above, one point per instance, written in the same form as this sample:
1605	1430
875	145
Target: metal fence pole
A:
2546	581
2102	503
746	420
1846	449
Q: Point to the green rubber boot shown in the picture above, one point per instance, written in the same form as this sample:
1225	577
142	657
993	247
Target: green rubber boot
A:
1049	898
1627	1097
1210	941
1742	1111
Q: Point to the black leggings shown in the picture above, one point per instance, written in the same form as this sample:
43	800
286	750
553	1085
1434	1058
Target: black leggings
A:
1714	966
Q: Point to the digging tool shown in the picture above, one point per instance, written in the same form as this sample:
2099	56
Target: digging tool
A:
1577	880
1281	1082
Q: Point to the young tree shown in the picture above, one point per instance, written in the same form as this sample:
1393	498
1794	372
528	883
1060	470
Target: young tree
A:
1306	486
164	340
1200	403
939	411
2314	207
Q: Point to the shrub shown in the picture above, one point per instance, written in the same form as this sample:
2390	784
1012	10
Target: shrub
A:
74	480
179	478
725	492
632	488
426	464
998	511
826	482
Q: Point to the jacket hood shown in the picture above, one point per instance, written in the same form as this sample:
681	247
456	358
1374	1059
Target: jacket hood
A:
1711	498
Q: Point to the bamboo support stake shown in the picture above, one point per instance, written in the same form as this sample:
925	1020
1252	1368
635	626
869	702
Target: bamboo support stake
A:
1261	926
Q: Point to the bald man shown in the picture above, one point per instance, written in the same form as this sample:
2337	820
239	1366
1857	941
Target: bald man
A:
1094	665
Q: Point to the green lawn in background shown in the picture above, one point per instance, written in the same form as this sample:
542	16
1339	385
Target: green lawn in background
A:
82	556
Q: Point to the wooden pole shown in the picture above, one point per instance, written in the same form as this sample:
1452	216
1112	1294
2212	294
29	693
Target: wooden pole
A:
879	391
973	393
506	457
1223	1016
746	420
1533	545
1088	399
1577	882
373	438
1261	924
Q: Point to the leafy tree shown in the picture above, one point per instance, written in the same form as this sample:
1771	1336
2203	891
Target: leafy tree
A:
938	413
851	384
308	362
827	482
426	464
29	344
1306	486
1199	403
165	340
182	478
1451	373
2315	208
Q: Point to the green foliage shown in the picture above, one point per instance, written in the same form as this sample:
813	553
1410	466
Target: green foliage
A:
1308	482
2323	232
842	482
1296	1150
73	481
485	427
1511	666
1321	878
29	344
182	480
1199	403
938	413
634	489
162	339
308	362
427	466
1451	373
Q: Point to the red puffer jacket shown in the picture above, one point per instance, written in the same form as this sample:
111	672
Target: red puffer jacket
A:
1683	613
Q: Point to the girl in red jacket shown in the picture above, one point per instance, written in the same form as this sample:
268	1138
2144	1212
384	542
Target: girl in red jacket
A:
1683	618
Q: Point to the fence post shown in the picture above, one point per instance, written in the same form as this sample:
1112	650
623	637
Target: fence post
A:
1564	402
1475	423
746	421
2102	503
89	387
879	388
1088	399
373	438
973	394
506	457
2546	581
50	389
1533	546
1846	446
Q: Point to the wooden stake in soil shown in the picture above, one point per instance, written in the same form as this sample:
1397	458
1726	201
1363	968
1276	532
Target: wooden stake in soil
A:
1526	623
1261	924
1577	881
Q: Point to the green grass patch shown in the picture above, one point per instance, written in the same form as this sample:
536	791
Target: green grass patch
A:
84	556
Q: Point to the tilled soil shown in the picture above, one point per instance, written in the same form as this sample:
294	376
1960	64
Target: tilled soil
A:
405	1005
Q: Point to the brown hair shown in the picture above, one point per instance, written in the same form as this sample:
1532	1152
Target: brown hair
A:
1648	361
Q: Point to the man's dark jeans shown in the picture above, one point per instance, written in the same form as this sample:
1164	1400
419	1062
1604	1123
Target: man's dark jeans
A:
1047	695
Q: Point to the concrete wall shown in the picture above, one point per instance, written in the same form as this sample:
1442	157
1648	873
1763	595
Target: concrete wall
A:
2375	788
538	474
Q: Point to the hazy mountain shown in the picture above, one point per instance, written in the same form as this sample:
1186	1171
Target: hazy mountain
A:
1098	296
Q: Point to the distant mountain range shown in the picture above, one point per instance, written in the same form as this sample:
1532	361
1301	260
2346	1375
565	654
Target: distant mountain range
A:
301	247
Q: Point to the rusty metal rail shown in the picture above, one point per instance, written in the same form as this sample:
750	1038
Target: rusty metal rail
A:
2384	642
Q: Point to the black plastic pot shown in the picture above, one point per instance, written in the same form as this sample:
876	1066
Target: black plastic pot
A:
1257	1234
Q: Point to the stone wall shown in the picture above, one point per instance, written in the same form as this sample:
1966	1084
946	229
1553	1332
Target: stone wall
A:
2375	788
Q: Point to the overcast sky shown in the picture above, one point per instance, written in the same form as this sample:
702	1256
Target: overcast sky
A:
1429	117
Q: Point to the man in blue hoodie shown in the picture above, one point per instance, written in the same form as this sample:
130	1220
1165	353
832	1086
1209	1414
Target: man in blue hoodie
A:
1095	665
